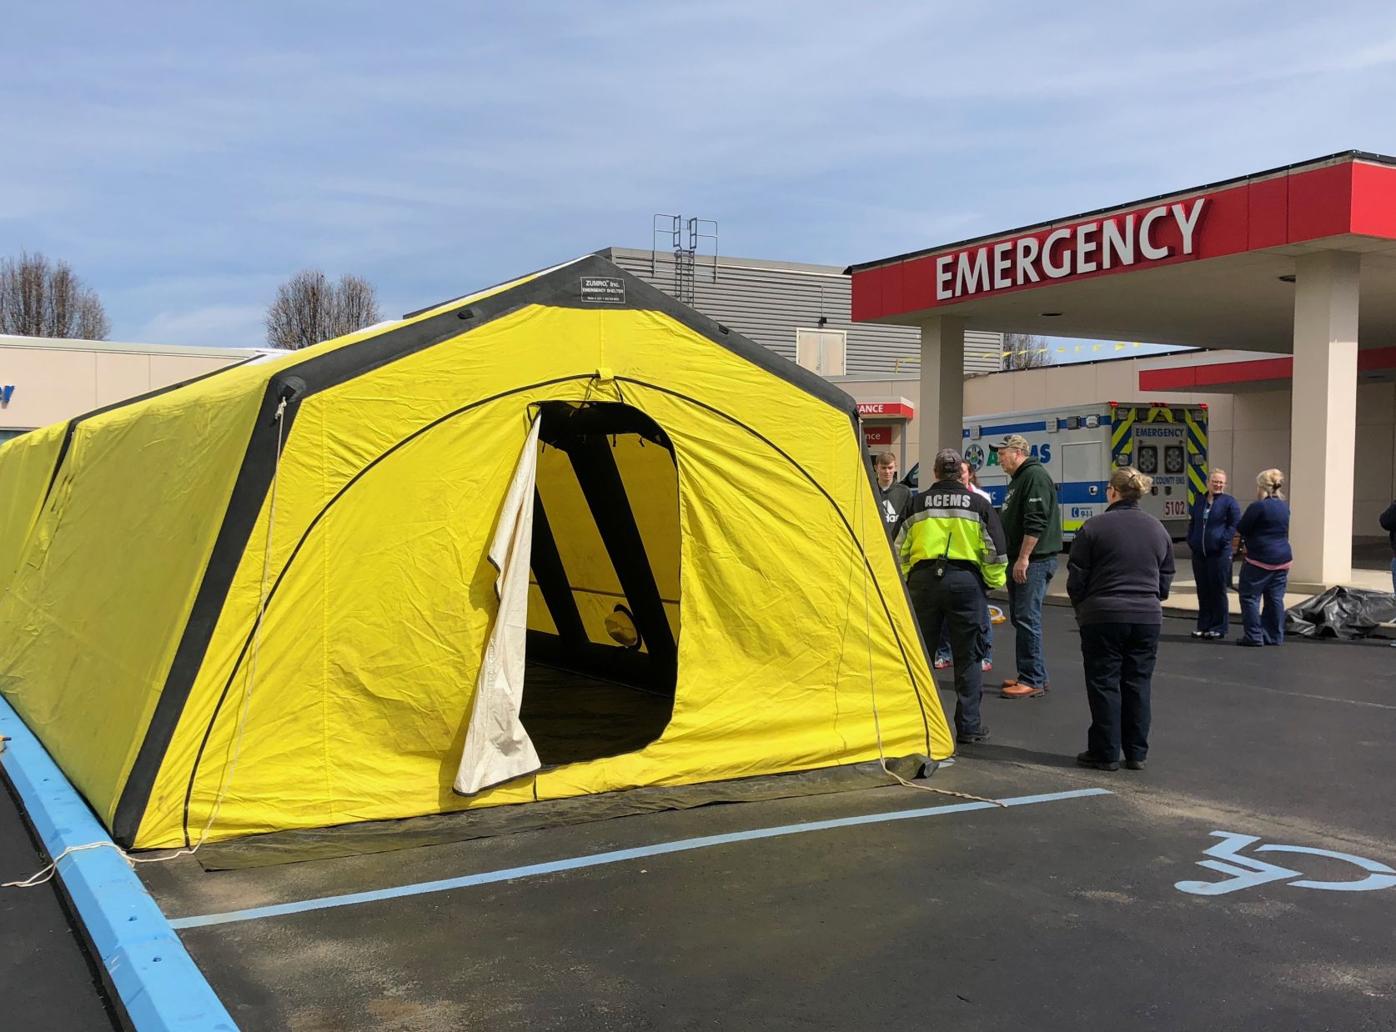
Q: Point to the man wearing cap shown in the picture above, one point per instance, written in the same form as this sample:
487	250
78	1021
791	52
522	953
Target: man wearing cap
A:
1032	522
952	550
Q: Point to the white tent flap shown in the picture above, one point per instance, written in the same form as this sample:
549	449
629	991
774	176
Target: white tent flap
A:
497	746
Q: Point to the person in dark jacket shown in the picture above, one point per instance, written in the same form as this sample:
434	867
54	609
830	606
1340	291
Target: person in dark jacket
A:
943	658
1388	524
893	499
1214	519
1032	521
951	550
1119	572
1264	530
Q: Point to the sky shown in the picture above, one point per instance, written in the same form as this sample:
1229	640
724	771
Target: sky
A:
187	158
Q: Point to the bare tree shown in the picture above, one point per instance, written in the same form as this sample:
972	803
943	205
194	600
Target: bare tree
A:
39	298
309	308
1025	351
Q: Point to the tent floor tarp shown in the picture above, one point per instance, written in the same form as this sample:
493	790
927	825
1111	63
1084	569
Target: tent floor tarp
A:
288	847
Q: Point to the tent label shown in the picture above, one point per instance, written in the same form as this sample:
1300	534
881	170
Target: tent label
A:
1245	872
603	290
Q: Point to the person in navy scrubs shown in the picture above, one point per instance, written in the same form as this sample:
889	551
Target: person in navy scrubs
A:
1264	531
1215	516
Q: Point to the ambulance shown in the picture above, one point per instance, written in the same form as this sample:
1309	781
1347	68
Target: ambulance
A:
1081	444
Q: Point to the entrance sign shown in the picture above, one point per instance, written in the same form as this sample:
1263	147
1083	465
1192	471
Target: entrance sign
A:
887	409
1246	872
1086	247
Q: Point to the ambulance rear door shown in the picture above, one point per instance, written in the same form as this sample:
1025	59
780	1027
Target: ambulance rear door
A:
1160	450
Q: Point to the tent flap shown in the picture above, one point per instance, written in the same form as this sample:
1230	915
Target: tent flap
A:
497	747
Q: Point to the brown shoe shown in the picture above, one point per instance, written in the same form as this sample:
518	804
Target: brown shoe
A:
1018	690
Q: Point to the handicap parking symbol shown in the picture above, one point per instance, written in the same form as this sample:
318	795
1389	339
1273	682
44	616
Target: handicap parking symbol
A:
1246	872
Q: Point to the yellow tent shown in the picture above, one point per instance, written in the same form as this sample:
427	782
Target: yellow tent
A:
564	536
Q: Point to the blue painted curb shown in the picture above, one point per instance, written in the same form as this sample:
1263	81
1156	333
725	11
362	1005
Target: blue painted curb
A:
159	984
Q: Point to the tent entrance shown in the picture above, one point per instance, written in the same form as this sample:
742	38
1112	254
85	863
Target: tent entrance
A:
603	605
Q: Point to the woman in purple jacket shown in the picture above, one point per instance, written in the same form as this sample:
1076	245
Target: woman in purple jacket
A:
1264	531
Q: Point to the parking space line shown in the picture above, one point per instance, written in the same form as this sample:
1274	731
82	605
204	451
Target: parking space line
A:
613	857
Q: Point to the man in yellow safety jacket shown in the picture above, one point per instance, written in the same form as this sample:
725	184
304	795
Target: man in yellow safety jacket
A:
952	551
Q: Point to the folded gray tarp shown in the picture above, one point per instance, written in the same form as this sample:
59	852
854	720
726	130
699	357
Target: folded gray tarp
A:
1341	613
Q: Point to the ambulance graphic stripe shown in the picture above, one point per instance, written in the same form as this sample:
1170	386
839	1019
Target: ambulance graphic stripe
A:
1122	428
1196	430
1121	442
1197	445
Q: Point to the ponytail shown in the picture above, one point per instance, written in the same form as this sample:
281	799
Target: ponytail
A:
1130	484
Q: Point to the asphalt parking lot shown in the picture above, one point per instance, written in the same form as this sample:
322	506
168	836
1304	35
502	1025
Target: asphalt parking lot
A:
47	979
886	905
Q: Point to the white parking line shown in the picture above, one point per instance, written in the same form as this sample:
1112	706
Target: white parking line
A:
613	857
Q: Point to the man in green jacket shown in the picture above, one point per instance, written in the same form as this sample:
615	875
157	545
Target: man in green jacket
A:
1032	522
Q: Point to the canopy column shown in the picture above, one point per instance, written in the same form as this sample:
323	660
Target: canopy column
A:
1323	416
942	389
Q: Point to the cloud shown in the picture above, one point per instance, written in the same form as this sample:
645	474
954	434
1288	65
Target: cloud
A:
211	326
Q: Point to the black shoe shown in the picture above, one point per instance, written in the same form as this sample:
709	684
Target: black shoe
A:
1213	635
1134	764
1201	634
1085	759
973	737
1247	643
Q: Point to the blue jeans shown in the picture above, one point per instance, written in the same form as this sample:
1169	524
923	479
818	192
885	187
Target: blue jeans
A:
1025	610
1393	576
1268	624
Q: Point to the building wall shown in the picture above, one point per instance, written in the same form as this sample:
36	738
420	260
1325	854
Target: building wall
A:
55	380
769	300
